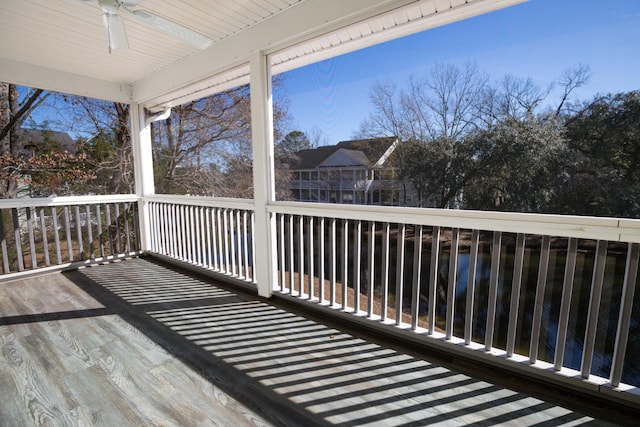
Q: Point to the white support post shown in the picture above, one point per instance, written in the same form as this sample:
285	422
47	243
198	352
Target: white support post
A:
263	174
143	169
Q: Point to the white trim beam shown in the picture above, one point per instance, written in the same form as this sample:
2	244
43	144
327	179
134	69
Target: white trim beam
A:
59	81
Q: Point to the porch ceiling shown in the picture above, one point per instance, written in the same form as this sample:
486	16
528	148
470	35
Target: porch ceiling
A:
60	45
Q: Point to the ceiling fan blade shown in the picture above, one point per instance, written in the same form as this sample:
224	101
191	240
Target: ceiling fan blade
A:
172	28
114	31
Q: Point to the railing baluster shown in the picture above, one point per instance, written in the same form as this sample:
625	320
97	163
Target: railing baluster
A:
400	273
515	294
333	263
170	218
471	286
164	224
67	229
433	279
3	243
126	228
229	243
417	270
188	233
594	308
191	251
245	244
372	268
87	214
311	273
221	254
357	264
253	248
204	240
292	266
197	227
283	245
321	293
165	211
626	309
45	240
172	229
136	227
233	241
215	239
79	232
107	211
17	237
99	229
117	228
153	226
56	234
184	227
32	239
565	304
536	322
159	215
207	237
451	285
239	239
384	287
345	263
179	212
300	254
496	249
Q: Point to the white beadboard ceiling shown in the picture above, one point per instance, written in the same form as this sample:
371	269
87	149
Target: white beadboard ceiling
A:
60	44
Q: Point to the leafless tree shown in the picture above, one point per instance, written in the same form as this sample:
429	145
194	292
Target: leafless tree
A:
205	146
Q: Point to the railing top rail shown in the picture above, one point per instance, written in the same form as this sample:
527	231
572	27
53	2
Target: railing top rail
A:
612	229
214	202
66	200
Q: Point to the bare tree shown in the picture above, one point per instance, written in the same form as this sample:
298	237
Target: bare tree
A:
109	147
13	113
205	146
571	80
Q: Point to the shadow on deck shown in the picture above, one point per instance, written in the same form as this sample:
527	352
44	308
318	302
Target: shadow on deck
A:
140	343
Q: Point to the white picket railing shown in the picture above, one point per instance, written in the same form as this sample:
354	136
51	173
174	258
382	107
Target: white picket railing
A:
548	294
37	234
216	234
552	296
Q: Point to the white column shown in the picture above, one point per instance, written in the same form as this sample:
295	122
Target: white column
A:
263	174
143	169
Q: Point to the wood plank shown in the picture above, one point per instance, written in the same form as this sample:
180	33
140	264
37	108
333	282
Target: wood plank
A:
138	343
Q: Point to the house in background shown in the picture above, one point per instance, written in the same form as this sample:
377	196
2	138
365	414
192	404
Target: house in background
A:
44	139
351	172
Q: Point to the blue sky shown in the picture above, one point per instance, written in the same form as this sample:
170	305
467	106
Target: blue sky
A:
538	39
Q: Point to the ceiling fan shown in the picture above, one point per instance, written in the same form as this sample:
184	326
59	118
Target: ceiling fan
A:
114	25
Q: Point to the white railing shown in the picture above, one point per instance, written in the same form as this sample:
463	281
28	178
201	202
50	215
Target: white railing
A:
39	234
552	296
213	233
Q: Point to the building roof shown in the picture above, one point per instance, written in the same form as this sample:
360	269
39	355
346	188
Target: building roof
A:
33	137
362	151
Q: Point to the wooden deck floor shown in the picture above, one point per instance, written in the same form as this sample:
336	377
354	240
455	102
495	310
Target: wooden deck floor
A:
137	343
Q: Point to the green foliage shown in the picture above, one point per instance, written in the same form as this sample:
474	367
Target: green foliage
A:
293	142
518	164
604	176
435	168
474	144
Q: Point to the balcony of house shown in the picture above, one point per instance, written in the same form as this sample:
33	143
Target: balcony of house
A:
378	315
154	309
360	186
